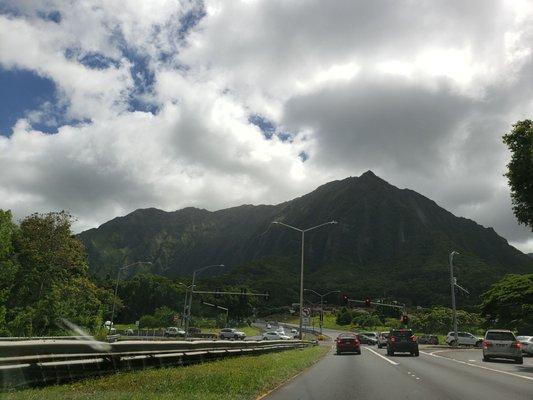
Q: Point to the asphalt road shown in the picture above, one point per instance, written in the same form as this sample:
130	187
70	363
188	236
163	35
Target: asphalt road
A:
435	374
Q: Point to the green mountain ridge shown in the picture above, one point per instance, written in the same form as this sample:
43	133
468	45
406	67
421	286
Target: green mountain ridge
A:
389	242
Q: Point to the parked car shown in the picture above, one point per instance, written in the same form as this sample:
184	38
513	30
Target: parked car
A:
274	335
232	334
294	330
382	339
402	340
463	339
268	326
348	342
502	344
368	338
527	344
428	339
129	332
173	331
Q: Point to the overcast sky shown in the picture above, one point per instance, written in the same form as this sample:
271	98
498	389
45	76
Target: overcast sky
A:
109	106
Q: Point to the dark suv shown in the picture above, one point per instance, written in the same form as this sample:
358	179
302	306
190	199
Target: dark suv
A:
402	340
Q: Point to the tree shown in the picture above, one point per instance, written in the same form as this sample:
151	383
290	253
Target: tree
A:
509	302
520	170
51	281
8	265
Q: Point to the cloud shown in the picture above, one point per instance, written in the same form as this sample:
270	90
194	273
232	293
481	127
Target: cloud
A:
216	103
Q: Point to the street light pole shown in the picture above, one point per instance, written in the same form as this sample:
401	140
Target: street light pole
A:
321	303
116	287
302	231
452	284
187	322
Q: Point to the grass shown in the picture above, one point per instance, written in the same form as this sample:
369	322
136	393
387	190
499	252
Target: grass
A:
244	377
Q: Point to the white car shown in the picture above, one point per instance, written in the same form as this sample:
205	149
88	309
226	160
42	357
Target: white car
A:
174	331
527	344
463	339
268	326
294	330
275	336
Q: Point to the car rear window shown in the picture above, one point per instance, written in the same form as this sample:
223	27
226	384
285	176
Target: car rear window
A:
500	336
402	334
347	336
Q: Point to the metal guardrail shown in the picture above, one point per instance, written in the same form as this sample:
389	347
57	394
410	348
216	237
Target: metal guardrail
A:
26	364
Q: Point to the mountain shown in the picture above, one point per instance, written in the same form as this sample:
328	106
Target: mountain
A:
389	242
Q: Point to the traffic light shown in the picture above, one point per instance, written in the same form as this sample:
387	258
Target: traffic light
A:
405	319
344	299
243	294
368	302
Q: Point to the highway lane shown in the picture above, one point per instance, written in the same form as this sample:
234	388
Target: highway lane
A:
374	375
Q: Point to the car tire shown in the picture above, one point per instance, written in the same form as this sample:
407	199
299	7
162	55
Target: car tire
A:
452	343
359	352
519	360
416	353
391	353
486	359
479	343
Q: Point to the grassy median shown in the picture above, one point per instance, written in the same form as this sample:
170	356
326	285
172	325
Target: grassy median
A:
244	377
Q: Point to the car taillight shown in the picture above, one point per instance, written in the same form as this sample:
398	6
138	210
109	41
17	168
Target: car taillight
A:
516	345
393	339
486	344
413	338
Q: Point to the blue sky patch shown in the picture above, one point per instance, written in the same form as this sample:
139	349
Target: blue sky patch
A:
303	156
267	127
22	91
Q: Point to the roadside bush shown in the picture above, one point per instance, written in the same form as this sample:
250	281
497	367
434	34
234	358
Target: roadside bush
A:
344	317
149	321
365	320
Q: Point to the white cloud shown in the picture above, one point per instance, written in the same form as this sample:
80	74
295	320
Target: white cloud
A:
421	92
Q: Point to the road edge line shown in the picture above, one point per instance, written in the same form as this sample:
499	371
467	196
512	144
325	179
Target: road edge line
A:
479	366
290	378
382	356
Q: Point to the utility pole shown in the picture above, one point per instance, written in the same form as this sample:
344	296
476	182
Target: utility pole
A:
452	285
322	304
302	231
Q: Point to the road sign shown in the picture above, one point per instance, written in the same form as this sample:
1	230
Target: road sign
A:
306	312
305	321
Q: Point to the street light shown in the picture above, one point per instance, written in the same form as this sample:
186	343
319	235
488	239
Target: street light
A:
116	287
302	231
321	303
452	284
187	322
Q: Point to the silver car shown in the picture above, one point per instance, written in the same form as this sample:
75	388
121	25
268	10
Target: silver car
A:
382	339
527	344
502	344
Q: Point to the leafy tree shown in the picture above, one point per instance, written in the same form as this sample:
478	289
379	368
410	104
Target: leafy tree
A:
365	320
440	320
8	265
51	281
509	302
149	321
520	170
344	317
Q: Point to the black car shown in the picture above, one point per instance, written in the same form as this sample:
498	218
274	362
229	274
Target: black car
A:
402	340
428	339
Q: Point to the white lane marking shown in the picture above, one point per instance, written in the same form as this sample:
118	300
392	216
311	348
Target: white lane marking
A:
471	360
379	355
417	377
479	366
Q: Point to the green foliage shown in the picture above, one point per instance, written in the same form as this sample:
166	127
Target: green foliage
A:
509	303
142	294
440	320
8	265
520	170
149	321
49	281
366	320
344	317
